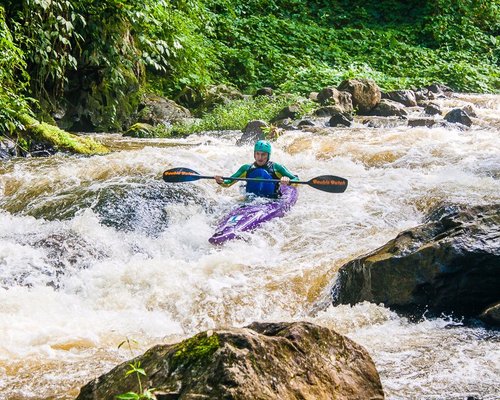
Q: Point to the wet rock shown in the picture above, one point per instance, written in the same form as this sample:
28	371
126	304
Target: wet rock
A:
491	315
449	264
330	111
252	132
285	123
439	89
427	122
421	95
340	120
458	115
305	122
264	360
7	149
140	130
389	108
59	255
432	109
470	110
365	94
405	97
291	112
383	122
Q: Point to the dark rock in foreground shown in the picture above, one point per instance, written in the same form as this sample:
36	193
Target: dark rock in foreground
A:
450	264
262	361
492	315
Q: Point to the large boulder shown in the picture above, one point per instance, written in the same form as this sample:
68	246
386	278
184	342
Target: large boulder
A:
406	97
449	264
218	95
389	108
365	94
262	361
330	96
253	131
157	110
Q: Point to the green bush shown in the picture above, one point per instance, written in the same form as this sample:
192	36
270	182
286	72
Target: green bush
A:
13	81
236	114
95	58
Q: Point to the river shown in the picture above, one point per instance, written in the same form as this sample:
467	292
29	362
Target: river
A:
95	250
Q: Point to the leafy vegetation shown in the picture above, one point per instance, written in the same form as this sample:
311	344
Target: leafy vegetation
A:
300	46
13	79
88	62
136	370
236	114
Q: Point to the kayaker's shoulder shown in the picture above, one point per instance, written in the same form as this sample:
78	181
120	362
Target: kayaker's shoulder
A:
280	168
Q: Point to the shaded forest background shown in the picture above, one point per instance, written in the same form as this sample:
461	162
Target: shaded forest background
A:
92	60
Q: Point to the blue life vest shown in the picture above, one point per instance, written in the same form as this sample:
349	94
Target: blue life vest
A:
263	189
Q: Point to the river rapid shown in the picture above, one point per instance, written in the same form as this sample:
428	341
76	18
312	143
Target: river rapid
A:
98	250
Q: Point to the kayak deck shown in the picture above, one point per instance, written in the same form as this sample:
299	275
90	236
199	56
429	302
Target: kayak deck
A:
249	216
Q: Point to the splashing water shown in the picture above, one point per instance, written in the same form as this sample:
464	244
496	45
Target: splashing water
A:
94	250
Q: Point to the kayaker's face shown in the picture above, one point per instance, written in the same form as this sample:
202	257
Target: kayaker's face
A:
260	158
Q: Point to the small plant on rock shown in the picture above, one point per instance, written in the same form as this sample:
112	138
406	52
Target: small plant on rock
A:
136	369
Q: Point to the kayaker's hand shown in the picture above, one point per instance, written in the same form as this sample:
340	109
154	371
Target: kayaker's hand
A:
219	179
285	180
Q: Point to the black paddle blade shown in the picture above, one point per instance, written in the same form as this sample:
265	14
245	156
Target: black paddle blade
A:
329	183
175	175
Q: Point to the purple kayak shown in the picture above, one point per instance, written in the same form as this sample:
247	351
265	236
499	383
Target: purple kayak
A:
249	216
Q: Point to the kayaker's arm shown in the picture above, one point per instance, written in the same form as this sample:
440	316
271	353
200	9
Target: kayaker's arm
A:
282	171
241	173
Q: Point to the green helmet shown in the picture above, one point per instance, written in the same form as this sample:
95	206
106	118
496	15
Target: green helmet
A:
264	146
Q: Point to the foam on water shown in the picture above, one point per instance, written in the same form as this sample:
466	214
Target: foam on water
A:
95	250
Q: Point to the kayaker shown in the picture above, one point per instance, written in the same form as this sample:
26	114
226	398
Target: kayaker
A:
261	168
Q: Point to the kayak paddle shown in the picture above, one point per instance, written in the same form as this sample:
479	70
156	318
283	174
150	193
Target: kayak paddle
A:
326	183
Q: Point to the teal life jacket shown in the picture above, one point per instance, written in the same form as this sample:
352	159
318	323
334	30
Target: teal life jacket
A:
263	189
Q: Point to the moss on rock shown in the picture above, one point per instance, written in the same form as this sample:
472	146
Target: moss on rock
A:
195	349
61	140
140	130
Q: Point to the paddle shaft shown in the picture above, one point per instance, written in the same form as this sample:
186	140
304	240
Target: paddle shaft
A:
326	183
247	179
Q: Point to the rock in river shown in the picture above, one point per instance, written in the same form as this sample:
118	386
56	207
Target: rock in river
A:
449	264
262	361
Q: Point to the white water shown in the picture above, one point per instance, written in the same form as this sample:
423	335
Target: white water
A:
96	250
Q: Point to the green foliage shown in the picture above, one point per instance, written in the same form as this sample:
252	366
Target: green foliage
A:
300	46
144	394
236	114
94	58
172	38
13	80
47	33
136	369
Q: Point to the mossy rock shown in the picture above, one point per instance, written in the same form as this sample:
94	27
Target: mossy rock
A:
195	349
140	130
42	133
283	360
